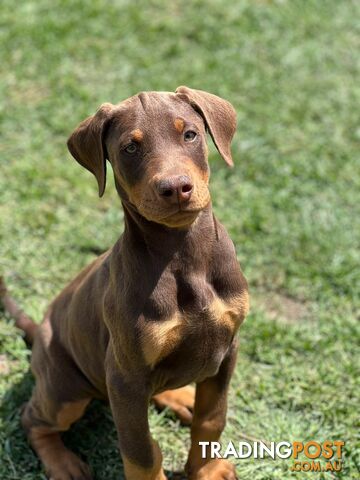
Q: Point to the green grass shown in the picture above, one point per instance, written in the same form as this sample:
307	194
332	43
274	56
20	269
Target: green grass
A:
292	205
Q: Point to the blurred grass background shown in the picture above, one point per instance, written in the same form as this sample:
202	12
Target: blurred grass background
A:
291	205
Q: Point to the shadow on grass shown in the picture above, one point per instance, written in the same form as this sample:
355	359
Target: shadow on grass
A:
93	438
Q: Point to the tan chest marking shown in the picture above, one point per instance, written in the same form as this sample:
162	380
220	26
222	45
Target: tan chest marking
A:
160	338
230	312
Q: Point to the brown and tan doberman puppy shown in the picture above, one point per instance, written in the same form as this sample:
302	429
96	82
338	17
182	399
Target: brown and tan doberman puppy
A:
161	308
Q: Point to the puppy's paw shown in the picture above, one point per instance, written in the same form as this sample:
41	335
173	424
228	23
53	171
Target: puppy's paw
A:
69	467
218	469
180	401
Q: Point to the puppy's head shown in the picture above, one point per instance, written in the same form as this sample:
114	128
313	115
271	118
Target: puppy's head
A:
156	144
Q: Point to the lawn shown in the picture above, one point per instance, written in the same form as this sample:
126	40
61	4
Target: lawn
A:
291	68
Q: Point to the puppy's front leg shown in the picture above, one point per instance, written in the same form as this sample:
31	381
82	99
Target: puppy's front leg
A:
208	423
129	401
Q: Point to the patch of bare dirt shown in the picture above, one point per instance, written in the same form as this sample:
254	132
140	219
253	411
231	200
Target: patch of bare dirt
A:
277	306
4	365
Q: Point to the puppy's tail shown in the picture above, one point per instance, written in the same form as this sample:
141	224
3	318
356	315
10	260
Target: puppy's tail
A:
22	321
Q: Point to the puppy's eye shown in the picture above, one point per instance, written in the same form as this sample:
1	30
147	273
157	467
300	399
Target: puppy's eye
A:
131	148
190	136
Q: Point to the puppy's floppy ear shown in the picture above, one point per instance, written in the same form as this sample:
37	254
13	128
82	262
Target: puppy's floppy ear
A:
219	116
86	144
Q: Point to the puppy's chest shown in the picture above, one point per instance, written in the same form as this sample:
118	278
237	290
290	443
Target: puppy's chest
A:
196	324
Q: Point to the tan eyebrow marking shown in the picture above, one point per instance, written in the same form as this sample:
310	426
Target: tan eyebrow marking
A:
179	124
137	135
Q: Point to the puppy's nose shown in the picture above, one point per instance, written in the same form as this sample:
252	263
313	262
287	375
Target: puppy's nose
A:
175	189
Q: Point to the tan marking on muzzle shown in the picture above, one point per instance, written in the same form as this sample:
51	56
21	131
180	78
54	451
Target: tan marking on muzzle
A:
143	195
195	172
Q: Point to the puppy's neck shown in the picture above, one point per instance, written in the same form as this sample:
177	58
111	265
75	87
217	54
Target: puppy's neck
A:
163	241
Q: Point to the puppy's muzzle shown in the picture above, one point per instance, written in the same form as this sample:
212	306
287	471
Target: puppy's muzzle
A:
175	190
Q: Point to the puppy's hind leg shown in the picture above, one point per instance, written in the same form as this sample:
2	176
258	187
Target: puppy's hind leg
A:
180	401
43	427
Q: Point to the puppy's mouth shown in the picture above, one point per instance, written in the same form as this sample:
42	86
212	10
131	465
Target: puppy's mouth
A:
183	214
180	218
183	210
180	214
